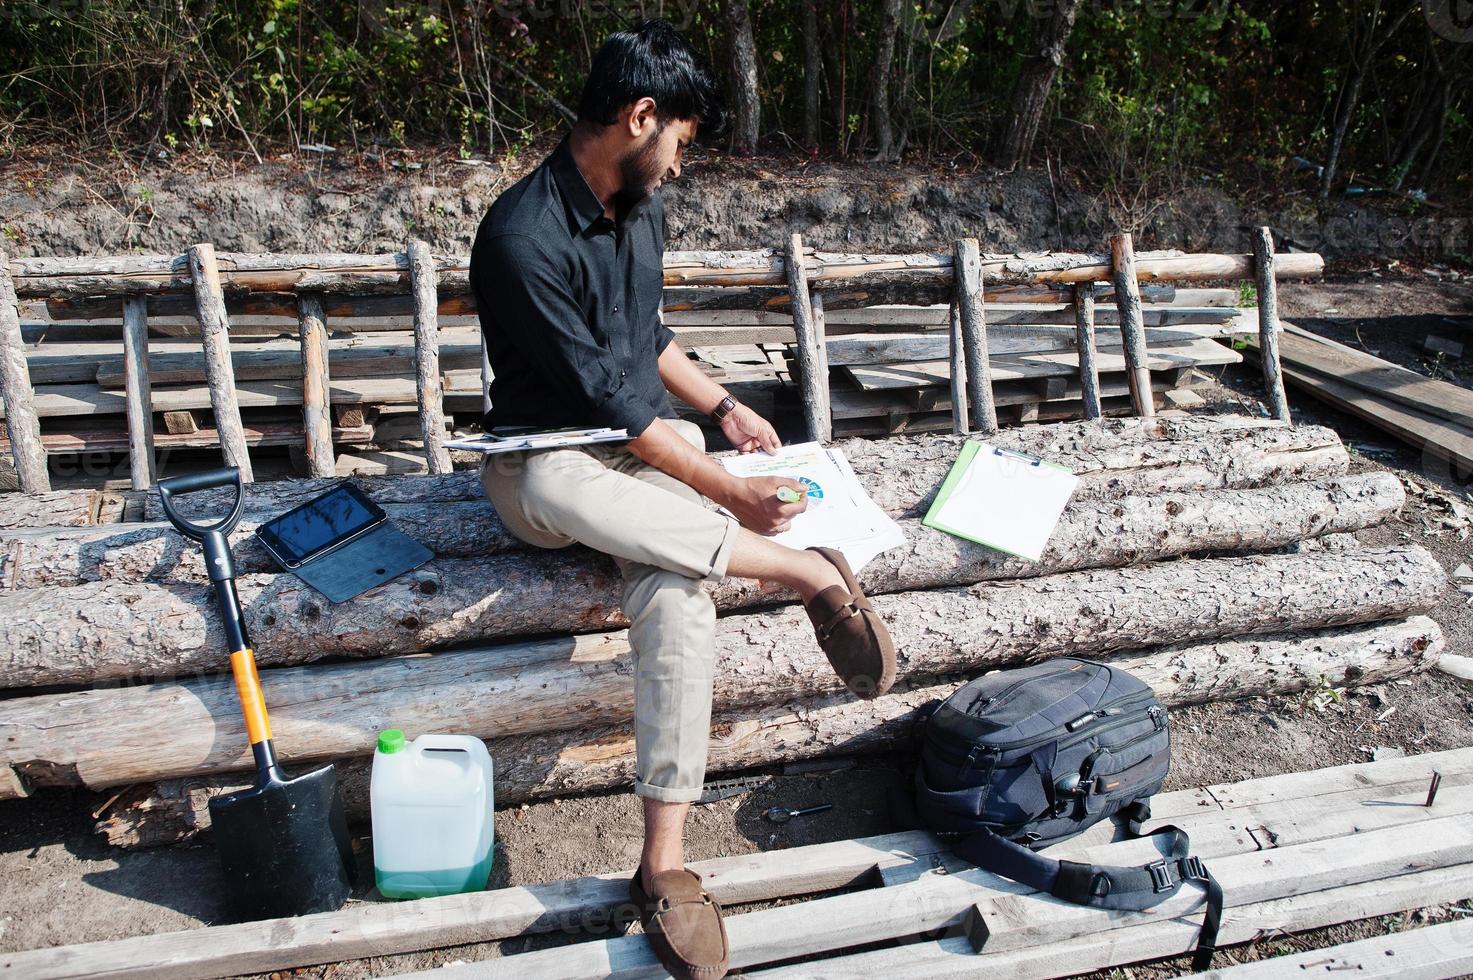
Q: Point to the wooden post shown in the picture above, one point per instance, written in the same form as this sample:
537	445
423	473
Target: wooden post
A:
15	388
430	388
821	346
961	422
1084	327
1132	327
316	385
967	269
806	348
214	325
1268	323
138	392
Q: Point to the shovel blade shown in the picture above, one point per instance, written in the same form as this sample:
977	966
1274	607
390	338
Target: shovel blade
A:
284	846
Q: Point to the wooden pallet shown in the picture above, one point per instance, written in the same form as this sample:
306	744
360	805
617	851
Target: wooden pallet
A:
1293	852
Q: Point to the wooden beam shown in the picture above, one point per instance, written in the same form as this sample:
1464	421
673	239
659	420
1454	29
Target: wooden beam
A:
316	384
1444	950
961	418
21	421
138	392
1132	329
215	332
821	355
806	348
1084	326
1268	323
430	391
967	262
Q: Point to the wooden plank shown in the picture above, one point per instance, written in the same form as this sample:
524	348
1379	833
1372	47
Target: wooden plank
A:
256	434
387	928
138	393
1132	327
1387	381
1437	437
1268	323
215	333
429	390
1427	953
22	420
954	957
871	348
1010	367
1084	327
1015	916
316	383
806	347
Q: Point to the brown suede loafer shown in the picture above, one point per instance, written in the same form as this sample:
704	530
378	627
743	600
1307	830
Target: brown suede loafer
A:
851	634
683	924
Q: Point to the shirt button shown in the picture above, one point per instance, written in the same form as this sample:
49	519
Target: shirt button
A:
616	309
623	374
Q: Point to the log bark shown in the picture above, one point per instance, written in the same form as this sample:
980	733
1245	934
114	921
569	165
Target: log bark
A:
21	423
114	629
806	348
966	260
539	766
1268	324
65	508
138	392
1084	327
961	416
316	383
904	473
427	384
109	737
63	278
1132	328
214	325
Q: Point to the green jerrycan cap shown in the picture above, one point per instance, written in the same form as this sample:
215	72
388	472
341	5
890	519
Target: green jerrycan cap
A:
391	740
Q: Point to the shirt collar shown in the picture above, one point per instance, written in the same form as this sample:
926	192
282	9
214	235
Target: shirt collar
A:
584	207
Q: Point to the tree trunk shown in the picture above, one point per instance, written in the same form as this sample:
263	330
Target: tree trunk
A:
538	766
1030	94
745	100
109	736
812	74
115	629
880	81
1362	57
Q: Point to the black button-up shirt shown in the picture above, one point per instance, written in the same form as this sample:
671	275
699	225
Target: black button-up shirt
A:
569	302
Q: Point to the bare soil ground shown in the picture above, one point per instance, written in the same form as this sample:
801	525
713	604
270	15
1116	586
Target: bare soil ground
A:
59	884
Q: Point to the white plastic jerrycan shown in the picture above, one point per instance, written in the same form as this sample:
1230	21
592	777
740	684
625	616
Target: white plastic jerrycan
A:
431	801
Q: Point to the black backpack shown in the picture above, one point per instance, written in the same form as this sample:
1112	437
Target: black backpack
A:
1021	759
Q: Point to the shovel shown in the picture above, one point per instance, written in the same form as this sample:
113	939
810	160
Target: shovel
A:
283	842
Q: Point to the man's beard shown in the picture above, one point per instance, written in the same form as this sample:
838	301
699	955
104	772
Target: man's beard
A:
640	170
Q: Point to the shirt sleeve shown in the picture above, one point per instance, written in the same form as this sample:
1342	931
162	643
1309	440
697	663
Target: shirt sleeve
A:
548	326
663	334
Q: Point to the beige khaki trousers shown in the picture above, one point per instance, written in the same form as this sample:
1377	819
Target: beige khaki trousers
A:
667	545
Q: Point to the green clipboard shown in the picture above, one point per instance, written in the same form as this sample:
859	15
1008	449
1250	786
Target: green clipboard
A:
954	476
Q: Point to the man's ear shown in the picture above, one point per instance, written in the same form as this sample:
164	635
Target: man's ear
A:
641	118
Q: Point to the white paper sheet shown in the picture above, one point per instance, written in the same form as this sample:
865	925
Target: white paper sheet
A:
840	513
1007	502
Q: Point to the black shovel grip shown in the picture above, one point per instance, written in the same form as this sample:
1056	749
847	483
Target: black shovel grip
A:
193	482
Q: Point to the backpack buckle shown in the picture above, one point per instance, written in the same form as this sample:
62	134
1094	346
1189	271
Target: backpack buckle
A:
1160	876
1192	867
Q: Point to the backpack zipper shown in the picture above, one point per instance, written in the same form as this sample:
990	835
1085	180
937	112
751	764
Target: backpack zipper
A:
1156	714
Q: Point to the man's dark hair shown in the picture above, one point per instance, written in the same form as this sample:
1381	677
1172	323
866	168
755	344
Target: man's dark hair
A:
652	60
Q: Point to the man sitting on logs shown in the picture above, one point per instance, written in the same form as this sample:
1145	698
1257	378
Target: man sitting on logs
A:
567	270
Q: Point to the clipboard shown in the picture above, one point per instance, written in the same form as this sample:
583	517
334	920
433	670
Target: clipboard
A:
1009	501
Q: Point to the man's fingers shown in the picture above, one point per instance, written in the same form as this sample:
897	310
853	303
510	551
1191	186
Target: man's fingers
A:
770	441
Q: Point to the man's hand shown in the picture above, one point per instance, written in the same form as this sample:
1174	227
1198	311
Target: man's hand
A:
755	503
748	432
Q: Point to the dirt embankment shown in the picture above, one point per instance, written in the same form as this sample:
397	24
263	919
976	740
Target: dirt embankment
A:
345	202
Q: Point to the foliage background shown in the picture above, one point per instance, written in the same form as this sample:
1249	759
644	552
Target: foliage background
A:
1149	90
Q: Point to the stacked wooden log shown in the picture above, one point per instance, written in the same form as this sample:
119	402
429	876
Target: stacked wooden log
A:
1212	555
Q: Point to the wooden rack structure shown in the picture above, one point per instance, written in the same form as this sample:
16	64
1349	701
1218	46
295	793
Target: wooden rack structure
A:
701	291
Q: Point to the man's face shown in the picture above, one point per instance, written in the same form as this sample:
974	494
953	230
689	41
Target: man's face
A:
655	156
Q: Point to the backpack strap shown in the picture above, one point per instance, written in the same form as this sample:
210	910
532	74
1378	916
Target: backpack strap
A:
1104	886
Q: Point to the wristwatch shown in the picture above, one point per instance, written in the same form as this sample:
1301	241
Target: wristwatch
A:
727	406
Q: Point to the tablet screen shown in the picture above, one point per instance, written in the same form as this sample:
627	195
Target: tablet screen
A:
319	524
